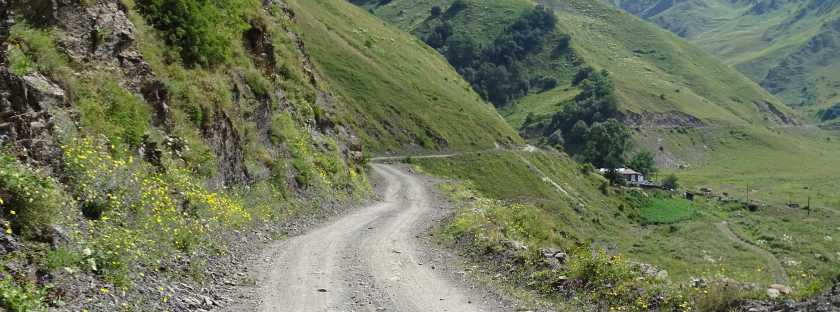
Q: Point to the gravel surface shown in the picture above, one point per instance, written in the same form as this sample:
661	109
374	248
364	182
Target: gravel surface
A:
377	258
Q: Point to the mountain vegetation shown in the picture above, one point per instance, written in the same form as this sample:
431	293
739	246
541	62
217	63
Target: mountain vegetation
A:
786	46
706	124
147	145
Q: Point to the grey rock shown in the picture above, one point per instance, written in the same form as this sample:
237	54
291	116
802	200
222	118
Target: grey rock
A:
8	244
26	106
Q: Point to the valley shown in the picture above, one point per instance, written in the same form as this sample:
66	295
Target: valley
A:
706	122
416	155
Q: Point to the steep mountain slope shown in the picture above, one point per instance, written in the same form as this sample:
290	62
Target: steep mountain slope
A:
395	101
787	46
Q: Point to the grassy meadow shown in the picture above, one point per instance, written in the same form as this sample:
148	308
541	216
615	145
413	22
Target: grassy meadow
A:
653	227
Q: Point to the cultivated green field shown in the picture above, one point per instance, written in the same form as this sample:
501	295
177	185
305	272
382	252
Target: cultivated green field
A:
667	211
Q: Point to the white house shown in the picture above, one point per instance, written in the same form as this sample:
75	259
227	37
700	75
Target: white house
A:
630	175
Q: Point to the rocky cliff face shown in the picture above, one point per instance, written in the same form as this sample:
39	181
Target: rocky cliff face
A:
100	36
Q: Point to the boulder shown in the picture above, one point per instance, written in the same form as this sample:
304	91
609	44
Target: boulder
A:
785	290
662	275
515	245
773	293
8	244
698	282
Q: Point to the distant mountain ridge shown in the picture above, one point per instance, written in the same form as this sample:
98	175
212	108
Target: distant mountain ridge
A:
660	80
787	46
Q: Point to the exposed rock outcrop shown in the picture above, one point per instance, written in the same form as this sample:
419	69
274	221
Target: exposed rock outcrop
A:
226	143
5	23
25	119
258	44
772	113
667	120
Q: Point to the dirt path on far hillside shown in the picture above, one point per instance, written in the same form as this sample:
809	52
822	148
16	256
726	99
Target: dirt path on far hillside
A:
371	260
773	263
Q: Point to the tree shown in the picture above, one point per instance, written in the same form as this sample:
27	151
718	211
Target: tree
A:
461	50
595	103
671	182
436	11
579	132
582	74
457	6
495	71
643	162
607	143
439	35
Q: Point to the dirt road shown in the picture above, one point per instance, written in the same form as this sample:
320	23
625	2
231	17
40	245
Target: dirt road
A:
773	263
369	260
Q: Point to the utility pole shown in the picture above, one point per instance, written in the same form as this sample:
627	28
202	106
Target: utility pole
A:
748	193
809	205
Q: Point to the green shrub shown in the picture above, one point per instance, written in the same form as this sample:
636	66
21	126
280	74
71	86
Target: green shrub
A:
719	296
60	258
110	109
201	29
26	298
28	200
19	63
304	170
38	53
257	82
671	182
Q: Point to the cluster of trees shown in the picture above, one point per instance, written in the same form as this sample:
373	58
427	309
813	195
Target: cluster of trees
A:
496	71
830	113
588	126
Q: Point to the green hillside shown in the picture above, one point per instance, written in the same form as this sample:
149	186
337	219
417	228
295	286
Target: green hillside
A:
397	103
546	201
658	73
786	46
708	124
659	78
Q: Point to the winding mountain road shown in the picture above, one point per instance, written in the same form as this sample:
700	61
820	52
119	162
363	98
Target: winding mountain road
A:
369	260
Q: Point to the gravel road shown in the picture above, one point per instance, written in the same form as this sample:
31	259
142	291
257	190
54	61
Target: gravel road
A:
372	259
